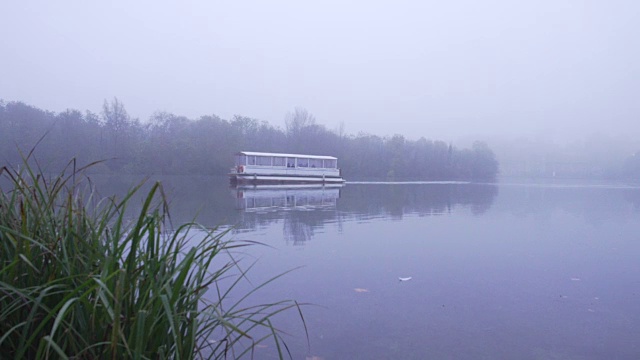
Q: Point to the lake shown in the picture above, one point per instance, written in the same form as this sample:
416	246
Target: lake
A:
513	270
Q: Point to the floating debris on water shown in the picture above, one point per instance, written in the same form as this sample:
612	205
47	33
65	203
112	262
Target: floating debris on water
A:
575	279
361	290
404	278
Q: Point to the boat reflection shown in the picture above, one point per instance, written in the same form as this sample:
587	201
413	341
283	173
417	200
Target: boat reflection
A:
301	208
274	198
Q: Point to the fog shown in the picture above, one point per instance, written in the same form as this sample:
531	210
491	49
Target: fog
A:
444	70
488	151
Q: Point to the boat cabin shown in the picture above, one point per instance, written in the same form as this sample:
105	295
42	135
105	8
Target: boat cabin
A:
258	167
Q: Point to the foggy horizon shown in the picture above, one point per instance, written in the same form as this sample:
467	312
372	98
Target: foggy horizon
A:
455	71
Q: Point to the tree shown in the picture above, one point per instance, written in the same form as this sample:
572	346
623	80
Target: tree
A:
174	144
484	165
117	122
296	121
396	150
115	116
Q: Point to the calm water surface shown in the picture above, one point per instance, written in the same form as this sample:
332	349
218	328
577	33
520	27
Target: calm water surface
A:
515	271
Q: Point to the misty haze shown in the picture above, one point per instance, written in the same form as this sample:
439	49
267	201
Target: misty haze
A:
431	180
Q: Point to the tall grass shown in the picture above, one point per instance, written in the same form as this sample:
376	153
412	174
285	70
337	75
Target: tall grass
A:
80	279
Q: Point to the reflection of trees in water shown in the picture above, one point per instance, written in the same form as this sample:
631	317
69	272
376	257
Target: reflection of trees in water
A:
204	199
367	201
299	225
208	200
297	232
396	201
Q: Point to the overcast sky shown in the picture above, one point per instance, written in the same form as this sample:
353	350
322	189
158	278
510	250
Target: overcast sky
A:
438	69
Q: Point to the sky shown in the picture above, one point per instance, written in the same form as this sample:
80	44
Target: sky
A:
438	69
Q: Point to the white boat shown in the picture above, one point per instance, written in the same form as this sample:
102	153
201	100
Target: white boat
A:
274	168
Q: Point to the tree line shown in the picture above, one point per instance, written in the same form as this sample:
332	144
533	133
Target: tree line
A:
173	144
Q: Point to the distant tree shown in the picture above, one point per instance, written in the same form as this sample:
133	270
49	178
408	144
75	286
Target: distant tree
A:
304	135
484	165
168	143
115	119
340	130
22	126
396	147
160	150
297	120
118	125
216	142
248	131
69	140
115	116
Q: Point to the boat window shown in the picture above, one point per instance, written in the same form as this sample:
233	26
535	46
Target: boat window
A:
315	163
291	162
241	159
279	161
330	163
263	202
252	160
279	202
302	162
263	160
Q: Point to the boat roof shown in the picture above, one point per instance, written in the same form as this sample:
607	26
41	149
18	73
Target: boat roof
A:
253	153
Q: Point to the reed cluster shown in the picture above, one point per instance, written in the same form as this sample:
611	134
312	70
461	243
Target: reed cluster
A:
80	279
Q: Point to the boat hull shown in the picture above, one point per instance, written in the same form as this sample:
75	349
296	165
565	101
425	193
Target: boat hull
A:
256	179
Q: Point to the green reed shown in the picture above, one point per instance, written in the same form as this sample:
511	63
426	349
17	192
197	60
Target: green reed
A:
79	279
